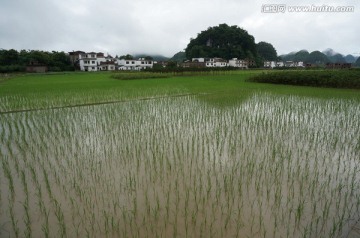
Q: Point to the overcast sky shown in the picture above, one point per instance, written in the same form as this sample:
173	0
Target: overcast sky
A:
165	26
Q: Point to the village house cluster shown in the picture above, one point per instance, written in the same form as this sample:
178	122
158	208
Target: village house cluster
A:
218	63
300	64
99	62
280	64
93	61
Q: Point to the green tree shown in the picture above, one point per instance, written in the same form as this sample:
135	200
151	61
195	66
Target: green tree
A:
59	61
9	57
266	51
41	57
127	57
13	61
171	65
24	57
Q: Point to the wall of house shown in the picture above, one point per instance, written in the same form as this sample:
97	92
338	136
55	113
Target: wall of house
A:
88	64
198	60
101	59
36	69
134	64
238	63
217	64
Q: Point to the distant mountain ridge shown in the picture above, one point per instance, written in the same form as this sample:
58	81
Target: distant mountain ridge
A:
179	57
326	56
329	52
155	57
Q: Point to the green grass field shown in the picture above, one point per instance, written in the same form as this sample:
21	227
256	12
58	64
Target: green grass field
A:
46	91
208	155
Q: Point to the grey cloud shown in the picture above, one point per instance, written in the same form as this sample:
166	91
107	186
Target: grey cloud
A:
165	26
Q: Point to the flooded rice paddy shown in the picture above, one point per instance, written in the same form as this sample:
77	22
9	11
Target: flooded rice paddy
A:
266	166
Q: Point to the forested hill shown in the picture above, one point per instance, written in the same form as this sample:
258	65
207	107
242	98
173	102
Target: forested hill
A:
229	42
222	41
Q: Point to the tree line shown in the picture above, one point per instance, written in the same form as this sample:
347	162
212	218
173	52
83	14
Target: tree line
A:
16	61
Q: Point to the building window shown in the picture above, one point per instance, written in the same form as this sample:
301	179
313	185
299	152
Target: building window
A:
127	62
93	62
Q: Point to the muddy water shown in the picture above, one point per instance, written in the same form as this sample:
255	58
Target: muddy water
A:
269	166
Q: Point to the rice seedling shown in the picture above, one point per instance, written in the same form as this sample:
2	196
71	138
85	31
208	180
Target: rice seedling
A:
268	166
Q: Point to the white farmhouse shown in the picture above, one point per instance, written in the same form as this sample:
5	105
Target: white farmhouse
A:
280	64
269	64
141	63
96	62
107	66
88	61
290	64
198	60
300	64
237	63
216	63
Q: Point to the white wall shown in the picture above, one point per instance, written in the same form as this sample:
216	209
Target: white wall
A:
215	63
237	63
88	64
91	62
200	60
269	64
134	64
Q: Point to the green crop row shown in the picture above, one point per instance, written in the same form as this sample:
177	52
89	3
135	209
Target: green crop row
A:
138	75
